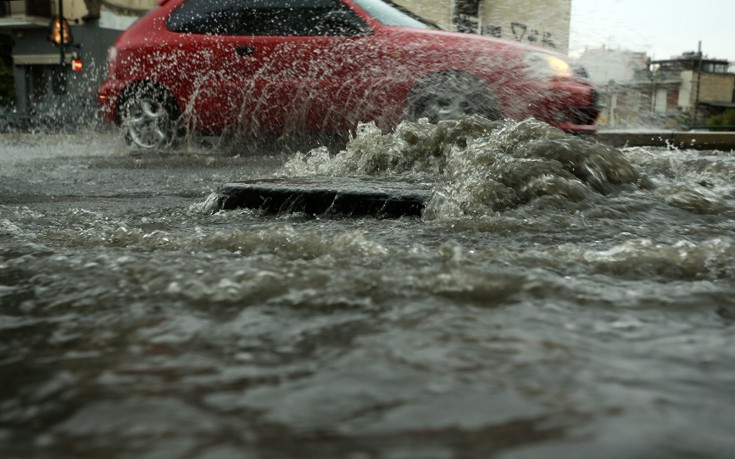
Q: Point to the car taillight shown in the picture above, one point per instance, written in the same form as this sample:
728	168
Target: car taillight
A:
77	65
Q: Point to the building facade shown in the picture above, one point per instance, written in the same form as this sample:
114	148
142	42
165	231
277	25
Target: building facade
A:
544	23
683	91
45	81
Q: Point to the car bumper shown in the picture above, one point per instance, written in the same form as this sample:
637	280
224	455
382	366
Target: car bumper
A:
568	106
108	96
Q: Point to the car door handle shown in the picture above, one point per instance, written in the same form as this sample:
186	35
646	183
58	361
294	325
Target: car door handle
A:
245	50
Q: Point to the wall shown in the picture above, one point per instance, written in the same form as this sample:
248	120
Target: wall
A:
543	23
74	10
713	87
120	14
717	87
437	11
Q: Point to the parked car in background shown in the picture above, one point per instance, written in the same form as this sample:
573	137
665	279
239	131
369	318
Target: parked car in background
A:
323	65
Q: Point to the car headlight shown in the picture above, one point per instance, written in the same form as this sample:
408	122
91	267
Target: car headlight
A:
548	65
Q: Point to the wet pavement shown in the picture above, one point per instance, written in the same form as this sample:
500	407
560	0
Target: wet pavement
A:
559	298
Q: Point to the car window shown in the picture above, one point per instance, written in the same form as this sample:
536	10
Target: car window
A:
390	14
265	17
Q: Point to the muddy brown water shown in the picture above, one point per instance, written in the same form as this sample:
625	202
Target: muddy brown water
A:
559	298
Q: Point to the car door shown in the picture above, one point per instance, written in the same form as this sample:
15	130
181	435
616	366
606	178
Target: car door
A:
343	72
335	70
224	61
271	65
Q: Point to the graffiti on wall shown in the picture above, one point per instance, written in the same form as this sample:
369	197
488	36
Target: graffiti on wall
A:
522	33
466	24
518	31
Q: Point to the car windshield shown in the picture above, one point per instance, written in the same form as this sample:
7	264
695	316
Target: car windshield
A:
390	14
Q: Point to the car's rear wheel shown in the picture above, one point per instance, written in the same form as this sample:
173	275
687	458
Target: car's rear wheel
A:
149	116
450	96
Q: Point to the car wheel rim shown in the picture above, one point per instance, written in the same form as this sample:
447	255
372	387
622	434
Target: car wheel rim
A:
148	123
441	108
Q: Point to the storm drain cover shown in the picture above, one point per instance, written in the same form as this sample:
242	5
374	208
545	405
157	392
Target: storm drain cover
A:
324	196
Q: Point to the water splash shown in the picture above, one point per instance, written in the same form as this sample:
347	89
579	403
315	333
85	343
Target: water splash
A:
479	166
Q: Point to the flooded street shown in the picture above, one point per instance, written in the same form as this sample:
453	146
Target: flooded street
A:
558	299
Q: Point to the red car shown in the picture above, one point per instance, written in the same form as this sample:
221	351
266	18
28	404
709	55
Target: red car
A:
275	66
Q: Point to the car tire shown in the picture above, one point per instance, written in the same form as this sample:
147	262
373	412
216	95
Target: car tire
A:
149	115
450	96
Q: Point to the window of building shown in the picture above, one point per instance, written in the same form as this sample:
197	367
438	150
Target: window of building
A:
468	7
38	8
467	16
715	67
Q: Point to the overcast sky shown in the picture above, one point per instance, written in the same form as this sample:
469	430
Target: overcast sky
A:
662	28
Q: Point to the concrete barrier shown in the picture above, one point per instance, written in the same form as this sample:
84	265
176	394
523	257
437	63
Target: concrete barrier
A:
675	139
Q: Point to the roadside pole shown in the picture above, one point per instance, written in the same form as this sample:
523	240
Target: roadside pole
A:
61	36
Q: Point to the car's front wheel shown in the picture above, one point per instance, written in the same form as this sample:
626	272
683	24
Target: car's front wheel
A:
149	116
450	96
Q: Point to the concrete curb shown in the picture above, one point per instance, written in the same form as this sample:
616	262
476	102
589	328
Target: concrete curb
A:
676	139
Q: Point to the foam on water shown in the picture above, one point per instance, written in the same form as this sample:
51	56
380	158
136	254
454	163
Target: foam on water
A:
696	181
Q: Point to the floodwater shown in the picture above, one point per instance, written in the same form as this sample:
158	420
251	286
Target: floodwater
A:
558	299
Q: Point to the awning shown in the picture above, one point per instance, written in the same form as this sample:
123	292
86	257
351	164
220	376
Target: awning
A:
23	22
719	104
40	59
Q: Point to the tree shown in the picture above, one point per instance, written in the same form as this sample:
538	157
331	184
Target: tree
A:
726	118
